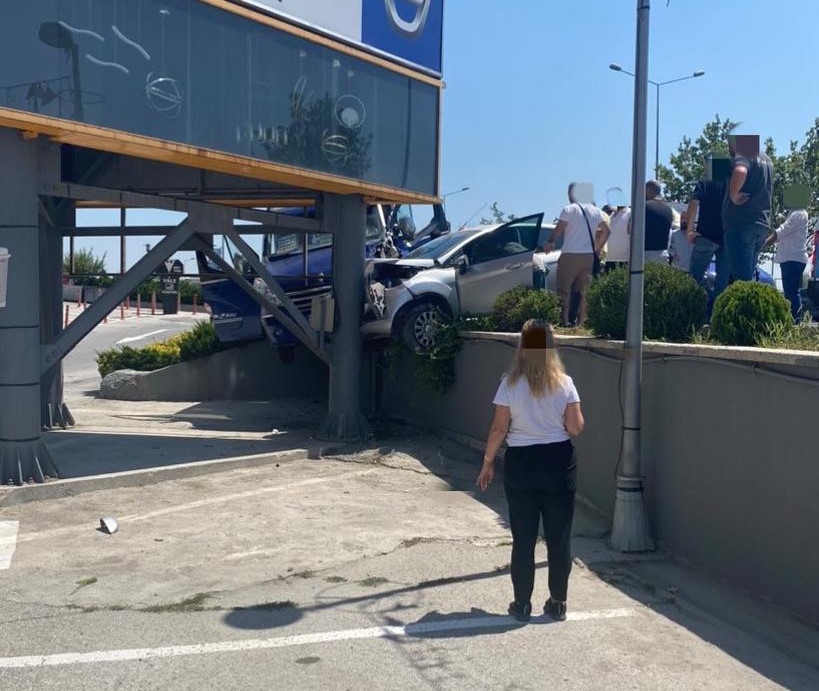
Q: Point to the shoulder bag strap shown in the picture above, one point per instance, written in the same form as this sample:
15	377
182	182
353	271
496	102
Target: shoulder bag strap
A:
588	227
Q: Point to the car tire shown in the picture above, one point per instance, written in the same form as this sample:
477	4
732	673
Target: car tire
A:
418	325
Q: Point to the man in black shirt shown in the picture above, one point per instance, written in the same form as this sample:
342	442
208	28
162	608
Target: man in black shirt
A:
706	236
746	210
659	219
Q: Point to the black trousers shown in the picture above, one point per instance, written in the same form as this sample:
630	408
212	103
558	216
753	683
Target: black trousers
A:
540	483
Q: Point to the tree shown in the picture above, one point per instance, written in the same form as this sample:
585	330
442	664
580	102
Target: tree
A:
496	216
687	166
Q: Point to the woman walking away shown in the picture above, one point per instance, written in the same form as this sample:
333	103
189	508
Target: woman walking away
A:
537	411
791	255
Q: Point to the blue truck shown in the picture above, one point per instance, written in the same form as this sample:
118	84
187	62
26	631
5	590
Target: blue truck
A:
302	264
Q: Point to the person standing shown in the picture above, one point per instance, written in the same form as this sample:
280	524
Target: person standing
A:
705	231
537	412
679	250
619	239
746	210
791	255
659	219
586	231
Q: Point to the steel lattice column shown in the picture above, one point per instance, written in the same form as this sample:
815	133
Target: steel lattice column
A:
23	455
345	421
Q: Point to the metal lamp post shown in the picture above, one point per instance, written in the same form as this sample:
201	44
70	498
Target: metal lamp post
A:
698	73
630	531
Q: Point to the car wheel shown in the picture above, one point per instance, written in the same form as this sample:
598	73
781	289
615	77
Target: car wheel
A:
418	331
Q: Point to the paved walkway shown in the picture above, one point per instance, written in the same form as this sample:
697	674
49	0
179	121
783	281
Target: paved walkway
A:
376	567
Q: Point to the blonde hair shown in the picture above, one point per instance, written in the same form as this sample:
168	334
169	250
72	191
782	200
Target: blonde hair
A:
537	360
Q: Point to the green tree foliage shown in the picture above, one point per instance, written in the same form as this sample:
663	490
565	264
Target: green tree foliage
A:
89	269
496	215
687	166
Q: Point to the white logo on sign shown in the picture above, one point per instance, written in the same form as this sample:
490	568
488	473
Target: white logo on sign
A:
413	28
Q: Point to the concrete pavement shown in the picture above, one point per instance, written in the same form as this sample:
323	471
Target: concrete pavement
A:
375	567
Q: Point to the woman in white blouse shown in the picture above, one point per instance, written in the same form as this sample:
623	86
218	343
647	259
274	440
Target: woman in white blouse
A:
537	412
791	238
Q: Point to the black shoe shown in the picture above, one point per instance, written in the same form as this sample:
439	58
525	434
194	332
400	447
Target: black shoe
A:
520	611
555	610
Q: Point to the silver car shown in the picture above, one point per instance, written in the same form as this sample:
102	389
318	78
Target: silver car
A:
456	274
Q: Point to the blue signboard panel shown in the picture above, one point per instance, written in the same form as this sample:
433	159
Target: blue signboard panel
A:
408	29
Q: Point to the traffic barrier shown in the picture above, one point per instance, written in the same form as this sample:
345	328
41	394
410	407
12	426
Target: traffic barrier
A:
139	304
153	302
194	304
65	321
79	296
178	302
122	310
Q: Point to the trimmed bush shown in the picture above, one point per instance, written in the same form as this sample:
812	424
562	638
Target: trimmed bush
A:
189	345
198	342
515	307
188	289
747	312
675	305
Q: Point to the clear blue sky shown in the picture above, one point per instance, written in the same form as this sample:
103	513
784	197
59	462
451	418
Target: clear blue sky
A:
531	105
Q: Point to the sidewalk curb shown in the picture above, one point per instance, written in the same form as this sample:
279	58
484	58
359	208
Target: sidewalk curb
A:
59	489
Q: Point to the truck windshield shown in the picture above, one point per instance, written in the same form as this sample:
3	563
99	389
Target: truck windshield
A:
292	243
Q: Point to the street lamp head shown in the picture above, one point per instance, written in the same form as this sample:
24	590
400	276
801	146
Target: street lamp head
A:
699	73
614	66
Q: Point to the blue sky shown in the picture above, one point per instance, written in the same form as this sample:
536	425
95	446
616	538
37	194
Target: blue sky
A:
531	105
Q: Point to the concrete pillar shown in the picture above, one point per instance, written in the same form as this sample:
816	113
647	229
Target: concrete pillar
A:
23	455
345	421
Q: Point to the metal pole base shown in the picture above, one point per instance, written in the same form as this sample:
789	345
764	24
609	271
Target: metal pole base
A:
57	415
629	532
22	462
346	427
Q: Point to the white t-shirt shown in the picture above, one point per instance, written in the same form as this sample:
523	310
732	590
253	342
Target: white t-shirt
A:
792	238
576	237
619	240
536	420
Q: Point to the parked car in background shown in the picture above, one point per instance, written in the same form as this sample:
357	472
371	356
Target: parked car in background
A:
457	274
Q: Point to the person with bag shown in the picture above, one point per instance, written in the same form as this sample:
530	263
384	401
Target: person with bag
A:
537	412
580	254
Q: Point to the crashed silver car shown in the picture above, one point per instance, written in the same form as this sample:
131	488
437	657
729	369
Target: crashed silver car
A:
461	273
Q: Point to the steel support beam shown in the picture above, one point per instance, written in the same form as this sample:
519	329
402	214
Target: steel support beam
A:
150	231
114	295
280	222
23	456
261	300
273	284
345	421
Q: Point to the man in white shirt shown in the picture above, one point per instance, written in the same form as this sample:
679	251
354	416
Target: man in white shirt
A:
791	255
586	230
620	238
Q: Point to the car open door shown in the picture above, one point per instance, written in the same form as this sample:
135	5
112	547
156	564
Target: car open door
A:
497	262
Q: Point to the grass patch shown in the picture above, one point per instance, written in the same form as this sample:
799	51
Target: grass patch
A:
373	581
83	582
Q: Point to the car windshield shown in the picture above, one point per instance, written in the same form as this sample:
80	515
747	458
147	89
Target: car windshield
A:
438	247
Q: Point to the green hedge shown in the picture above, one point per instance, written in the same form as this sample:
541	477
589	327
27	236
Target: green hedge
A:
189	345
675	305
515	307
747	311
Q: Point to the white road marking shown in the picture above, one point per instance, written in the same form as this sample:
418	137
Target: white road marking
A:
179	508
8	542
422	629
132	339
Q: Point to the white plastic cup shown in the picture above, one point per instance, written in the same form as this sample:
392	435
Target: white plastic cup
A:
4	274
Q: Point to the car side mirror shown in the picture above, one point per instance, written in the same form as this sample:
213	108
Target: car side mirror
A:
462	264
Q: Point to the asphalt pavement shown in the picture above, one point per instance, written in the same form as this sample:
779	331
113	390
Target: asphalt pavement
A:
370	567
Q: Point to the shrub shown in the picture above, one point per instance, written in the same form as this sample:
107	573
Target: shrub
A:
89	269
747	312
198	342
674	304
189	345
515	307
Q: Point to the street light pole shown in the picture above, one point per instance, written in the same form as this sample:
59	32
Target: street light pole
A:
698	73
630	531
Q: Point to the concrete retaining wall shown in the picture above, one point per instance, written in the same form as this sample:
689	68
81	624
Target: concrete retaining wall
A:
249	372
730	447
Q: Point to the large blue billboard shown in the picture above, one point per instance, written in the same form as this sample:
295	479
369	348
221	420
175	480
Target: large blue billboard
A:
409	30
